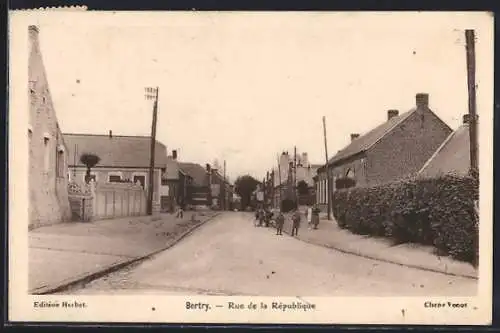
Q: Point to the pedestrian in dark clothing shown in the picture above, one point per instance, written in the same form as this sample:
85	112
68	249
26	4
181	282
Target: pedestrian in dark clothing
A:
295	223
280	221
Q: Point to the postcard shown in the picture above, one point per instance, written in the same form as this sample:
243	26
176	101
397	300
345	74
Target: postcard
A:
250	167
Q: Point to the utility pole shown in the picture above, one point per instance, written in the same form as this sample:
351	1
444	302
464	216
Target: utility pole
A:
295	175
272	187
471	84
328	180
279	186
152	94
224	186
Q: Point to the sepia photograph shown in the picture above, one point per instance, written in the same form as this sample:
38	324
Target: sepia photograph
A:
251	167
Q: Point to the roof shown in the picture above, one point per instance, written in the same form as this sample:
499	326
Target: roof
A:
117	151
452	157
365	141
196	171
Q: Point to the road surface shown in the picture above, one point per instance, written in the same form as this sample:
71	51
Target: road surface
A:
230	256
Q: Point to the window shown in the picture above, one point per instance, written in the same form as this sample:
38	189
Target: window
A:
46	153
115	179
140	179
60	165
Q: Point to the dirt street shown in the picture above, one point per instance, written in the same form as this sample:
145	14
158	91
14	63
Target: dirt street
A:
230	256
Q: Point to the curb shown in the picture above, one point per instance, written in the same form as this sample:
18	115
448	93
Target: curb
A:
87	277
359	254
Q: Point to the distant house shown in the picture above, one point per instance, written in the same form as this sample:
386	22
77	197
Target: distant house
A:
48	153
393	150
123	159
221	190
171	185
198	191
452	156
305	172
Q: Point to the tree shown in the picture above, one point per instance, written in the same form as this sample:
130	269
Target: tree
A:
244	186
302	188
90	161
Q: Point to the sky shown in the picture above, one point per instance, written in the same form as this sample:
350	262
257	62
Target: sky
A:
243	87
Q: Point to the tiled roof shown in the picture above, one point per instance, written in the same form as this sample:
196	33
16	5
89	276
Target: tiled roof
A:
196	171
116	151
367	140
453	156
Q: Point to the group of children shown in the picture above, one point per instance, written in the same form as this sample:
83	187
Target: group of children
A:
264	216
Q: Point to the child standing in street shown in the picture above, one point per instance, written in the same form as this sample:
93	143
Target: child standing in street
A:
295	223
280	221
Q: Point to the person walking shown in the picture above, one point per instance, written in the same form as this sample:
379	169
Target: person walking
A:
180	212
295	223
309	215
280	221
315	217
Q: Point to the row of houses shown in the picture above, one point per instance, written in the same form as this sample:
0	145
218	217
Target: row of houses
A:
415	142
56	170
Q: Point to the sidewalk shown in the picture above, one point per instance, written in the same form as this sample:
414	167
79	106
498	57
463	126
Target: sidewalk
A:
67	253
417	256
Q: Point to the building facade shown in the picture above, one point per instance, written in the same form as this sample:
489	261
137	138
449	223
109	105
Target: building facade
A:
198	191
396	149
48	153
122	159
171	184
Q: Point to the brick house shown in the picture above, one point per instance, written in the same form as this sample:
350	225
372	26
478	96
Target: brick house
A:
393	150
198	192
48	177
221	190
123	159
452	156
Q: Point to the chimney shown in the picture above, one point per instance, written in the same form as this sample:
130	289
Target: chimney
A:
208	167
174	154
354	136
305	161
422	100
110	134
466	118
392	113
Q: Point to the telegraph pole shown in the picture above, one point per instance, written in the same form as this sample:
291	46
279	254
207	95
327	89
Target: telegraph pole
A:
471	84
328	180
224	186
152	93
295	175
279	186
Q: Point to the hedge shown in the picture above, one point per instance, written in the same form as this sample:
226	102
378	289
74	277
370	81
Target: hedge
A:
433	211
288	205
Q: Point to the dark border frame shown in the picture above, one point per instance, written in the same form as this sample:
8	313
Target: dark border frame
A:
212	5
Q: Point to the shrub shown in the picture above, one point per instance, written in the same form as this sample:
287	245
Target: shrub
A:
433	211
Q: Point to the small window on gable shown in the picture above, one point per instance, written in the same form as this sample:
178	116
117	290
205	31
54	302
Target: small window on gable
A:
60	164
46	153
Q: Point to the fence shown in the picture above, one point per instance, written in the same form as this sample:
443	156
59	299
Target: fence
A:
80	201
106	200
118	200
